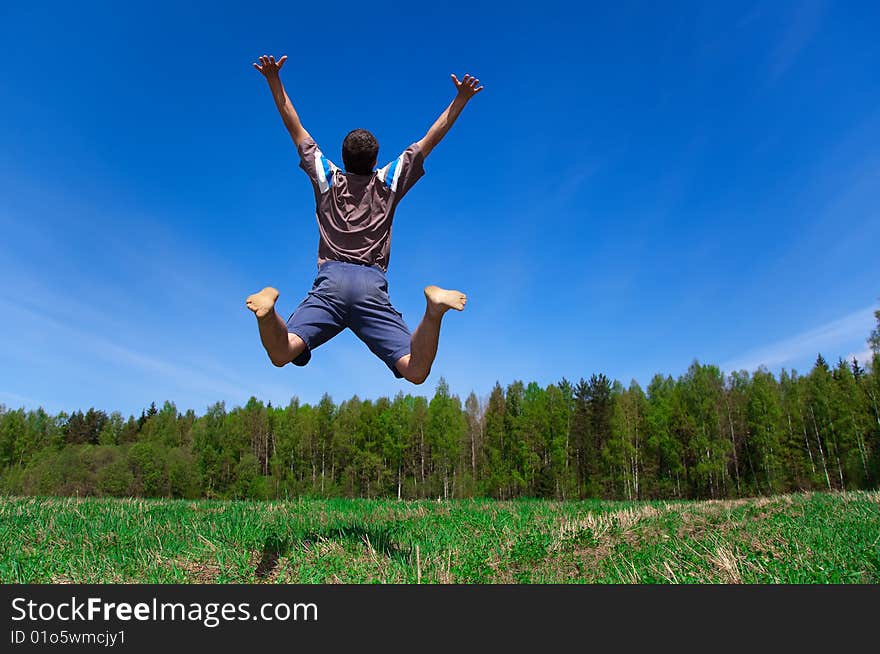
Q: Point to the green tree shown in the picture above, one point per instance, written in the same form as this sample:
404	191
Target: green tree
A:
559	401
764	420
446	430
600	407
475	433
497	482
183	476
116	479
626	443
665	449
209	435
147	461
396	442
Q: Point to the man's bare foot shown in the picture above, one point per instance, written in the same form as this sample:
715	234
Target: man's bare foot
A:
440	300
262	303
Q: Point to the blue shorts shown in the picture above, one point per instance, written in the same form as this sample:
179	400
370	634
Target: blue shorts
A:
354	296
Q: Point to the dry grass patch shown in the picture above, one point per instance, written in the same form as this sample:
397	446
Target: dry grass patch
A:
725	560
602	526
861	496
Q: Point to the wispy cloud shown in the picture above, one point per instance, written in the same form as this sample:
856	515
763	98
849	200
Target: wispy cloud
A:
182	373
831	338
803	26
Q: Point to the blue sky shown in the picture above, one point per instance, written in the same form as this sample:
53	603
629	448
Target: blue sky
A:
637	187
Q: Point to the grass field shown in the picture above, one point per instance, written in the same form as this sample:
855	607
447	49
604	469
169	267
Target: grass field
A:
807	538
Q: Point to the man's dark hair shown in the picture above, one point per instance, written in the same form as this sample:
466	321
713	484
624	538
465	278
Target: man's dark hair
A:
359	152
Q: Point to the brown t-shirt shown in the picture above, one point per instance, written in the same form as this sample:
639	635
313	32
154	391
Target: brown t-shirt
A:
355	211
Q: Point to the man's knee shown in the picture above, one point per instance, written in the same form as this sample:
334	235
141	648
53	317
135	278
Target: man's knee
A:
416	377
411	373
295	347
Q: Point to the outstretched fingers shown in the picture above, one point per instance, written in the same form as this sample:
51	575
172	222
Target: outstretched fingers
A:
468	84
473	84
268	64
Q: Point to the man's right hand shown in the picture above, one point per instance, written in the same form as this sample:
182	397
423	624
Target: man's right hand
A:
268	66
468	87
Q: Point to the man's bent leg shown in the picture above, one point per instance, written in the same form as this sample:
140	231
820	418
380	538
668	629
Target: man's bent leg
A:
416	366
281	346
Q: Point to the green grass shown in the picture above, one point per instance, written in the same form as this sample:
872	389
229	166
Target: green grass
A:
806	538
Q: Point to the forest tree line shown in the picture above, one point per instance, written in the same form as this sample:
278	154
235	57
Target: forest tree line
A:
703	435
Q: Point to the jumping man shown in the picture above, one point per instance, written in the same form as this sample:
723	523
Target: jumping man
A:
355	208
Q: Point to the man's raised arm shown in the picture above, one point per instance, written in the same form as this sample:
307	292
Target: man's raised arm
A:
468	87
270	68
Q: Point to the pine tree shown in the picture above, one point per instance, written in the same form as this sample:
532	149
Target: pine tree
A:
497	478
580	434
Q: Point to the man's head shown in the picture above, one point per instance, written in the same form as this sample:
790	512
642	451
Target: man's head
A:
360	150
